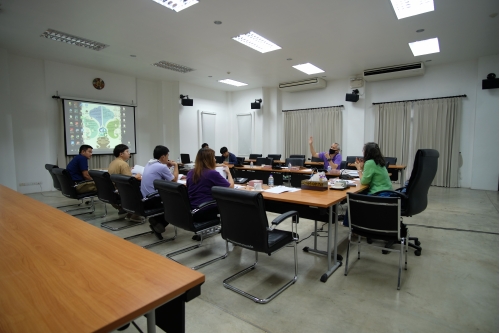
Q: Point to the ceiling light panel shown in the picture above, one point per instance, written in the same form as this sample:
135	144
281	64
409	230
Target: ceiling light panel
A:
422	47
176	5
172	66
308	68
406	8
233	82
73	40
257	42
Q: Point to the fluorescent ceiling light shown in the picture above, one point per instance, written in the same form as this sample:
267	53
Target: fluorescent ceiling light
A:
233	83
257	42
422	47
176	5
406	8
172	66
73	40
308	68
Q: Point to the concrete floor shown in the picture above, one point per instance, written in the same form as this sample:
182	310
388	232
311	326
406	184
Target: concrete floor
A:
451	287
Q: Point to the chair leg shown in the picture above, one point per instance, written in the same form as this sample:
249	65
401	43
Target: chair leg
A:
248	269
359	247
400	262
92	207
149	233
105	223
347	255
204	233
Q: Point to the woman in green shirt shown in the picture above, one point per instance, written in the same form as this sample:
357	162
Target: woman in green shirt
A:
372	172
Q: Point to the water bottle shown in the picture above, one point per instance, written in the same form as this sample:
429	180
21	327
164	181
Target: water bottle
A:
329	168
251	164
270	181
289	166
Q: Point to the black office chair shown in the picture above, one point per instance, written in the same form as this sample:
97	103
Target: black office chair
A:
240	161
343	164
254	156
394	173
107	193
56	185
316	159
414	195
244	223
352	159
133	202
264	161
298	156
178	212
219	159
377	218
185	158
275	157
68	189
295	161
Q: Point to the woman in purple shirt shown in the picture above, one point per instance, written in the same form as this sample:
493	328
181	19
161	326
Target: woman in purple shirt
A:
200	181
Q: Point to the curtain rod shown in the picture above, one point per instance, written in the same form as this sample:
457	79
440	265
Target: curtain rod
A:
323	107
415	100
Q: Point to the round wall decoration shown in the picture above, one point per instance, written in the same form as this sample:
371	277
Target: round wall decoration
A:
98	83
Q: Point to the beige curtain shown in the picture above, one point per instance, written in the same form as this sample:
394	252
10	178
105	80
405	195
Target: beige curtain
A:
436	125
324	124
392	130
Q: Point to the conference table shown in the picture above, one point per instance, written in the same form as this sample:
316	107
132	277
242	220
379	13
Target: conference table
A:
317	206
61	274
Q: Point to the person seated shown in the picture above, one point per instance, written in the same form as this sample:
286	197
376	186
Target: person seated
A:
157	168
372	172
200	181
120	166
331	158
78	168
205	145
229	158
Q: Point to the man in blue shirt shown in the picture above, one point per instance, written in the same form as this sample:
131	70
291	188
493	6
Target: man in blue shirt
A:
331	158
229	158
78	168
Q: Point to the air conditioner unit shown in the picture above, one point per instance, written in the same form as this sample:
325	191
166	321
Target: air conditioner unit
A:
315	83
394	72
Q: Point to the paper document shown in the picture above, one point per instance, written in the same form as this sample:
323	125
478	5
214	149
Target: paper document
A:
220	170
282	189
137	169
181	181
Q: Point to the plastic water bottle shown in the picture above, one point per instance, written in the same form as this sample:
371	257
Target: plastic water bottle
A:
289	166
329	168
270	181
251	164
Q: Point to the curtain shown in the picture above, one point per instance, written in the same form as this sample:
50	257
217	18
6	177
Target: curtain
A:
392	130
324	124
437	126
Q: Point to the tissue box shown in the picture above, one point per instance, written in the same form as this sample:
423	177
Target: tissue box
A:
252	182
314	185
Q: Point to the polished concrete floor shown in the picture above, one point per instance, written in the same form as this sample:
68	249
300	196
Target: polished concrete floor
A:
451	287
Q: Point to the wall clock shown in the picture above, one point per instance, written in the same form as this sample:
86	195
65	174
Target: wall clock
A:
98	83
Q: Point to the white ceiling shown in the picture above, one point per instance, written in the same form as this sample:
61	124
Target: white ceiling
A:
342	37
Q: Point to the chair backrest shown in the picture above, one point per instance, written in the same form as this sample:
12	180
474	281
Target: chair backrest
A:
352	159
422	175
343	164
55	181
374	214
219	159
316	159
295	161
391	160
67	183
394	173
254	156
185	158
240	160
176	206
274	156
298	156
130	194
264	161
243	218
105	187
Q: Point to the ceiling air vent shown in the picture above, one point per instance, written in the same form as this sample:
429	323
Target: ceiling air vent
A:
315	83
394	72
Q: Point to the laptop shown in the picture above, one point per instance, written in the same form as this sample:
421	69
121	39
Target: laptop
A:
185	159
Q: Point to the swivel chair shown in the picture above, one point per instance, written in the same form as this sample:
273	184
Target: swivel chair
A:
254	156
295	161
298	156
264	161
276	157
68	189
57	185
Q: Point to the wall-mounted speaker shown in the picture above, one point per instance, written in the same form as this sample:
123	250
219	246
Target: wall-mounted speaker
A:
490	84
187	102
255	106
351	97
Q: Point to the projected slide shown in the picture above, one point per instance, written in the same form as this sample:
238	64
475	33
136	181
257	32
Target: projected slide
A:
102	126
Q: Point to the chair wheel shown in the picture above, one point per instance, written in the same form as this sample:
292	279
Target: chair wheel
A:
418	253
369	240
417	243
386	252
306	249
196	238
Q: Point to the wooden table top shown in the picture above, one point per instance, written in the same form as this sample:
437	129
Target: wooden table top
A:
267	169
60	274
391	166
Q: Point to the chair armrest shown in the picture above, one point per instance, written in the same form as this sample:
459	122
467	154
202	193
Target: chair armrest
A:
284	216
395	194
203	205
150	195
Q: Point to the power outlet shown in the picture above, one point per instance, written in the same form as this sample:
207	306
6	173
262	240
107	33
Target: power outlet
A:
30	184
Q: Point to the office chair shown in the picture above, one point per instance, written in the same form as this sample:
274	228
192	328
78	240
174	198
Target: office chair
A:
264	161
240	161
377	218
185	158
107	193
68	189
178	212
219	159
414	195
275	157
254	156
298	156
133	202
316	159
295	161
57	186
350	160
394	173
244	223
